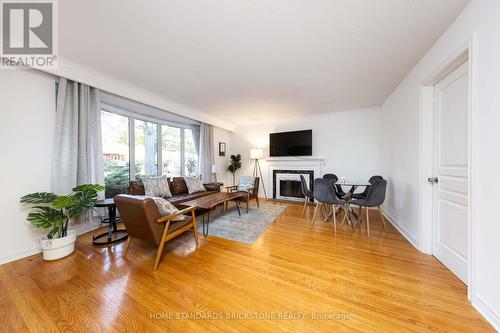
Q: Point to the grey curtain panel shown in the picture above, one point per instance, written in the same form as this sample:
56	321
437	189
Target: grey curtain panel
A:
77	153
206	152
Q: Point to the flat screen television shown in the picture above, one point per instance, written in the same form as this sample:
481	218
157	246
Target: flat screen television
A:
297	143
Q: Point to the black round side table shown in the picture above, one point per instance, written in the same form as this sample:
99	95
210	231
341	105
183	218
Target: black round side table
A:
113	235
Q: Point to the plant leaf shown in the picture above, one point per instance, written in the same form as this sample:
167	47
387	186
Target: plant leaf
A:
83	201
89	187
45	217
39	198
64	201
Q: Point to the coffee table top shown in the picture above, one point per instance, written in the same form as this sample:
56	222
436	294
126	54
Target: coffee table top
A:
211	200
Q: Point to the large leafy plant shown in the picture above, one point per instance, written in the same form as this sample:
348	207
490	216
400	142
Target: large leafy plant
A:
234	165
54	212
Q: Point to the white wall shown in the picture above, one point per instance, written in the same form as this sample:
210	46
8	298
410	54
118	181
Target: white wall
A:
222	135
400	142
347	140
27	108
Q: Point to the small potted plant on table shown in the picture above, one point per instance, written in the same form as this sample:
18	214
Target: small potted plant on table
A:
54	212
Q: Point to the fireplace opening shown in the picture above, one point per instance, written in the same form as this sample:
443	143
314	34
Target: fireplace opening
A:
291	188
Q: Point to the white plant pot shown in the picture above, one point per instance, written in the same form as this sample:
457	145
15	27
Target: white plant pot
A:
57	248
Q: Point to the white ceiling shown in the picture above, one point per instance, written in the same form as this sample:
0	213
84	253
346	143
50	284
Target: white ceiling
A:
255	60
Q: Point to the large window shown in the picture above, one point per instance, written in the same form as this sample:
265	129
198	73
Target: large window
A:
134	148
146	149
171	150
115	149
190	154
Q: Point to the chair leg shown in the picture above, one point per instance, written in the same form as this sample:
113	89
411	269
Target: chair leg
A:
382	217
248	201
367	222
257	199
127	245
314	214
334	220
304	208
195	230
160	247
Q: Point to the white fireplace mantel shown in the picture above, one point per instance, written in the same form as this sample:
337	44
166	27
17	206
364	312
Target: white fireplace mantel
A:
293	163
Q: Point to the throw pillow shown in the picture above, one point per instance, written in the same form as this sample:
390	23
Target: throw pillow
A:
194	185
156	187
246	183
166	208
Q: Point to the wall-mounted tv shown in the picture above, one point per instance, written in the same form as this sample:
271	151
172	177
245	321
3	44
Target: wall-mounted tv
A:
297	143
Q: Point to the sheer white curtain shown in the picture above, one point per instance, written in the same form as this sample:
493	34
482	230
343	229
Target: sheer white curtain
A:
77	157
206	152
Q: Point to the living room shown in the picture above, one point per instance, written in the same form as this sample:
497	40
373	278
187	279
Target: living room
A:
250	165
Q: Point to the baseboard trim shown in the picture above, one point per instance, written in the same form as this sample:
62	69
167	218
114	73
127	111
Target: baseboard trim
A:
486	311
30	252
401	229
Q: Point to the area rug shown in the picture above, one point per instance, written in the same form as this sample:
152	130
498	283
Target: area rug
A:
246	228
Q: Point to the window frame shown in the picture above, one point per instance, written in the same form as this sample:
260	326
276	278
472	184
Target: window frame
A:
132	117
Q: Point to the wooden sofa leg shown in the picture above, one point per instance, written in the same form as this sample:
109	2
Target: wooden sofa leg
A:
257	199
127	245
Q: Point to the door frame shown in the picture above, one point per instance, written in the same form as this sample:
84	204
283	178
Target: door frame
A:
426	133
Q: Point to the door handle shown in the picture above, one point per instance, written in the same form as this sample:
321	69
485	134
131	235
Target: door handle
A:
433	180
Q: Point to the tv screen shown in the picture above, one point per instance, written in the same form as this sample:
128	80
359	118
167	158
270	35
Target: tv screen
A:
298	143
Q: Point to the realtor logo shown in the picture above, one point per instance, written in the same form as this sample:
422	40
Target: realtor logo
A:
28	34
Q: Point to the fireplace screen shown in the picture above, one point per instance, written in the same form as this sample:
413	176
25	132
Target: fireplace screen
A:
291	188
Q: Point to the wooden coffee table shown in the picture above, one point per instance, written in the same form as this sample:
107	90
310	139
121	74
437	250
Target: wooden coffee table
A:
209	202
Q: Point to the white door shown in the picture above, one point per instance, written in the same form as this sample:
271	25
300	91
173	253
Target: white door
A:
450	181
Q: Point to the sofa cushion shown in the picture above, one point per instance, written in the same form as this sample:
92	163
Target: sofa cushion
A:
137	187
179	186
167	208
156	187
194	185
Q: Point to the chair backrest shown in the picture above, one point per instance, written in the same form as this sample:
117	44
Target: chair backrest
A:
375	178
305	190
324	191
139	214
331	177
376	193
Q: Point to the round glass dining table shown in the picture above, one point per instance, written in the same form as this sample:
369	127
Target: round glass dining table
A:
353	184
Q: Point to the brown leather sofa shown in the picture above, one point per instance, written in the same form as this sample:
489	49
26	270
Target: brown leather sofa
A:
178	189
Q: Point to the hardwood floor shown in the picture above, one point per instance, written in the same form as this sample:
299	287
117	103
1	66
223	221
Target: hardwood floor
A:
378	285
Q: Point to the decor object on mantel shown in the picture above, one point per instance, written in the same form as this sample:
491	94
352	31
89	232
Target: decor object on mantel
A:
222	149
55	212
234	165
256	154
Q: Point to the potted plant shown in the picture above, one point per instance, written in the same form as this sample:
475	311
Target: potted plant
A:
54	212
234	165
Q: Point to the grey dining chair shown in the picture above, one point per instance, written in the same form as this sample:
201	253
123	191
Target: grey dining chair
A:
375	198
338	188
324	193
362	195
308	194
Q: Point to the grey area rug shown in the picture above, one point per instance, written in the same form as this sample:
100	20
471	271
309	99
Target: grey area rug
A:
246	228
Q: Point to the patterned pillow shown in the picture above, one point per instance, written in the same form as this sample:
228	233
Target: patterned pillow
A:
246	183
166	208
194	185
156	187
